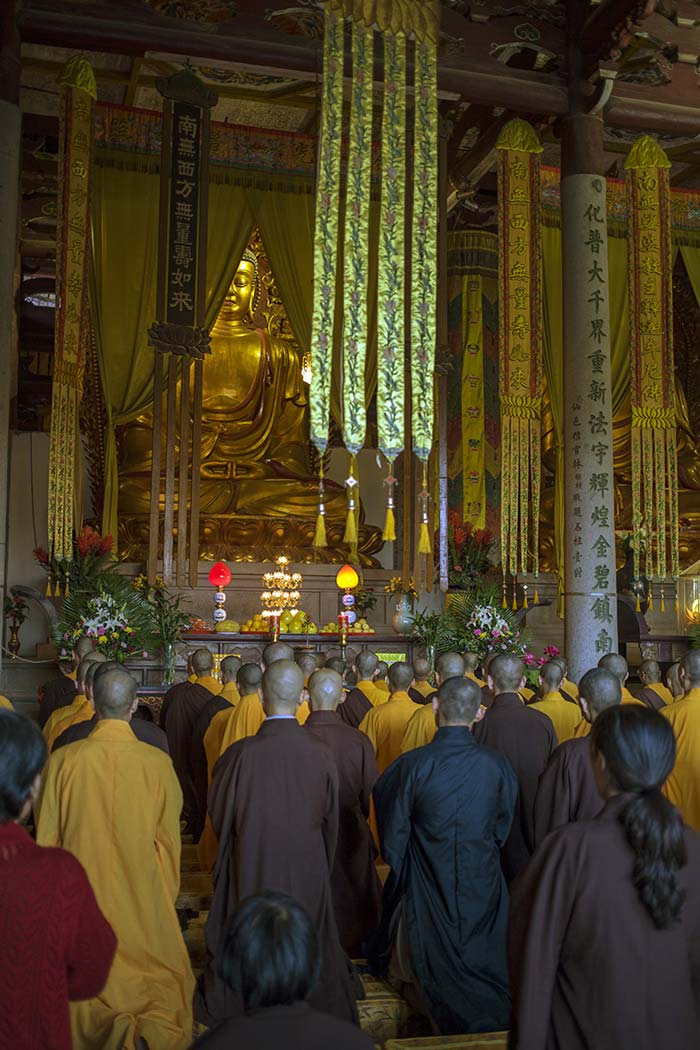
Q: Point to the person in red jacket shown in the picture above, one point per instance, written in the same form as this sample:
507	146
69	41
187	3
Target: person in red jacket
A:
55	944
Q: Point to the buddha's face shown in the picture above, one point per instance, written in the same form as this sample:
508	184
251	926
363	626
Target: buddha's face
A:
240	295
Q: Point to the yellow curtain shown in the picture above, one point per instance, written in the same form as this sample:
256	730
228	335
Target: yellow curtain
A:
123	291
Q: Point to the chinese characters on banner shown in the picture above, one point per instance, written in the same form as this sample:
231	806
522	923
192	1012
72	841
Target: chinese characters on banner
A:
591	609
184	215
473	437
652	381
520	346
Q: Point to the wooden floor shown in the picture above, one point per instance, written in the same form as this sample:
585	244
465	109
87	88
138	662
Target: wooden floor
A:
384	1015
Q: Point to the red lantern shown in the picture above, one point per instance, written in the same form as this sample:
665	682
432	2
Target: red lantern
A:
220	575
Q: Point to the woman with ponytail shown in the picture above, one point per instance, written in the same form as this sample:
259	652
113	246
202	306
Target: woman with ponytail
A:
604	936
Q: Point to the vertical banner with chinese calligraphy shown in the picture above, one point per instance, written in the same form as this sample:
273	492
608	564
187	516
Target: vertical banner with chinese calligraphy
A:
178	336
652	378
590	584
520	342
473	431
78	95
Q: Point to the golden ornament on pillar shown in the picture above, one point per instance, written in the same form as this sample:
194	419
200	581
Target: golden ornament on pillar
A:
258	494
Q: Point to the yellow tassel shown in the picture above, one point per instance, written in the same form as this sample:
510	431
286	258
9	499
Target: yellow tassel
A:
525	602
650	606
350	536
638	606
663	603
320	539
424	540
57	590
676	605
389	534
514	606
504	603
67	590
537	597
48	587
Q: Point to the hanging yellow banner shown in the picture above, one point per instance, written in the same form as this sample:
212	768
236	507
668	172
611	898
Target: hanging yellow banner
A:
520	344
72	325
473	437
652	378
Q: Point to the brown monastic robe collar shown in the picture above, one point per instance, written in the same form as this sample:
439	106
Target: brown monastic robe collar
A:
506	700
324	718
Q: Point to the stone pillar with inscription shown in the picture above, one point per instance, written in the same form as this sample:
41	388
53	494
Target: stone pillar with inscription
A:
590	585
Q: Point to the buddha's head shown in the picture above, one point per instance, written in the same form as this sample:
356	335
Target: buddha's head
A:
242	296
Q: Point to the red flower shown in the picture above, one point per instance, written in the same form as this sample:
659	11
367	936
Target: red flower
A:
41	555
107	544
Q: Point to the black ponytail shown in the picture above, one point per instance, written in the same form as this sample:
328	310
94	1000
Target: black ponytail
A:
639	749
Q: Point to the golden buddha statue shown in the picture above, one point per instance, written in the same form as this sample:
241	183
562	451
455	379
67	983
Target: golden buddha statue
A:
258	495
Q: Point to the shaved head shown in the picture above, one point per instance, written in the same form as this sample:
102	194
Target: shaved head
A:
307	663
86	669
561	662
202	662
366	664
277	651
650	672
115	695
249	679
336	664
382	669
82	647
506	672
616	664
325	690
690	669
421	669
471	662
229	668
282	684
551	676
449	665
400	676
673	679
457	702
599	689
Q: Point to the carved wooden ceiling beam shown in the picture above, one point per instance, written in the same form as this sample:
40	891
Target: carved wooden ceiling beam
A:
607	29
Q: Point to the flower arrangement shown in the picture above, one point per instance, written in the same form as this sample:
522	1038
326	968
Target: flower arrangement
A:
468	552
396	585
365	599
481	626
535	664
169	618
15	610
92	554
105	620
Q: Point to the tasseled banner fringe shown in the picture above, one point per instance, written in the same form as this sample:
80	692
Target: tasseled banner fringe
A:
424	545
350	534
424	539
663	603
504	603
389	533
48	586
320	539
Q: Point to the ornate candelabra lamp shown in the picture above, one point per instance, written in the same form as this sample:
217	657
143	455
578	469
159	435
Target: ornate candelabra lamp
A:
282	592
346	579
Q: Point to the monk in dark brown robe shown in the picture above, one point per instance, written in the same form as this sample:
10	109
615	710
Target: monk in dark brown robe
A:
61	691
364	695
354	881
273	805
604	935
567	790
527	739
182	706
422	691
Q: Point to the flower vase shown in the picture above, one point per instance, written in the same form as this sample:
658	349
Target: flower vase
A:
402	620
13	642
169	663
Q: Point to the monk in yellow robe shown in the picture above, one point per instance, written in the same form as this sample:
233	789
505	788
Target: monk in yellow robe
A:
115	805
81	709
244	719
380	678
568	688
654	694
617	665
364	695
385	725
423	725
683	786
673	681
563	715
232	692
471	662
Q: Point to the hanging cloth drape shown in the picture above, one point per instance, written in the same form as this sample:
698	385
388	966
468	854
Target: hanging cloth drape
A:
123	292
652	378
78	95
520	338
